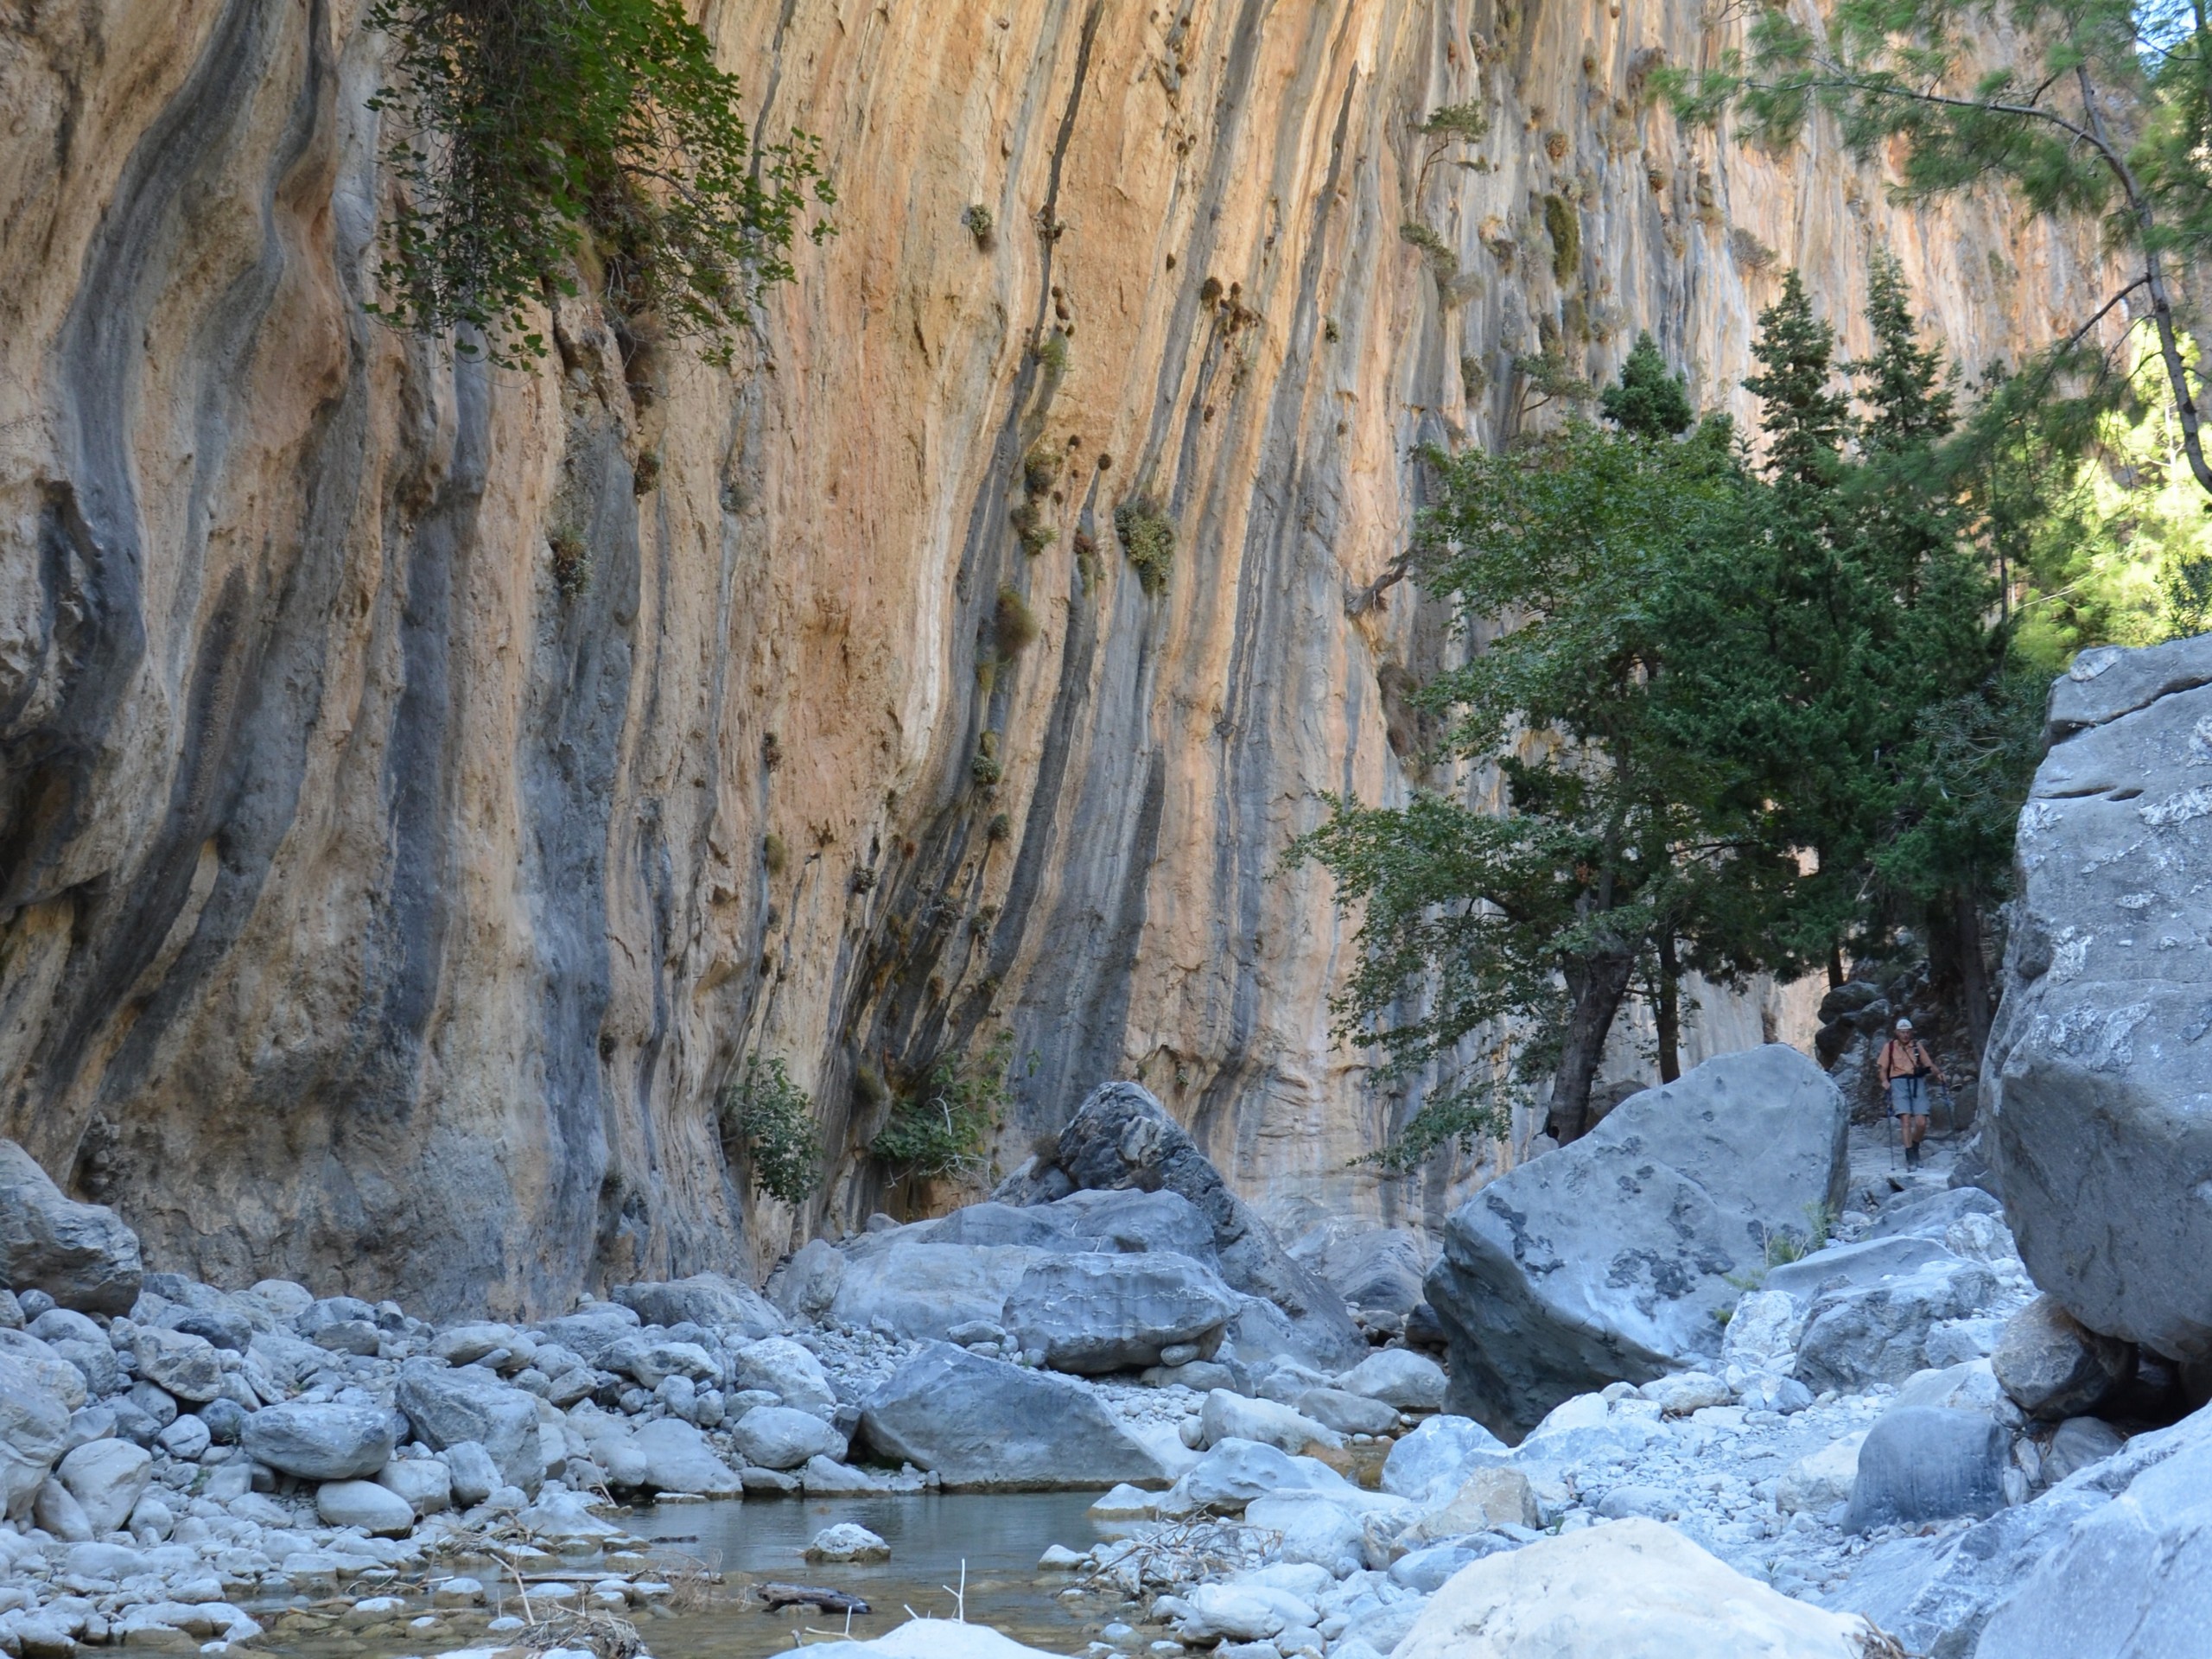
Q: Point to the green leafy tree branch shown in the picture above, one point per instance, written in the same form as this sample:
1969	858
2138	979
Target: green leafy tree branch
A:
2095	108
532	142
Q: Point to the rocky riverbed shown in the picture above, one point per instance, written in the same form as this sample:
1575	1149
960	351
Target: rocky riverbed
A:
1843	1425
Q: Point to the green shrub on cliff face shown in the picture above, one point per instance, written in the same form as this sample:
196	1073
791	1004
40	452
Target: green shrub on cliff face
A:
531	137
1148	538
770	1119
945	1129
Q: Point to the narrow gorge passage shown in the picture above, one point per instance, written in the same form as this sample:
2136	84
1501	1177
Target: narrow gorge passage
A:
1358	830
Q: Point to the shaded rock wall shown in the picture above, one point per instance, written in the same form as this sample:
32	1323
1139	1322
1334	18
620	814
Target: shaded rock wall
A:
375	909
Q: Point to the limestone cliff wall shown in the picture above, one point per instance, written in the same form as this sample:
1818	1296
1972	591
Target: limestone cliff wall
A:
378	909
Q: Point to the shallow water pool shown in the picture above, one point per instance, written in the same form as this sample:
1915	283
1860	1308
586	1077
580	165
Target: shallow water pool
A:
998	1538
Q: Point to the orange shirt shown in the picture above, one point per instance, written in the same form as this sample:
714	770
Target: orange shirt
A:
1901	1059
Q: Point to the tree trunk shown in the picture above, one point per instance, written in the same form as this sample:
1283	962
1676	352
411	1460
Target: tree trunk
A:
1668	1013
1973	971
1835	966
1598	987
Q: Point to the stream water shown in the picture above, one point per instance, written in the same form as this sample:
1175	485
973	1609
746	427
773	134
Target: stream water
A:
996	1538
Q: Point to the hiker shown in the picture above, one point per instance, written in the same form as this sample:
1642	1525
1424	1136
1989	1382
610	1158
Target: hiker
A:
1904	1068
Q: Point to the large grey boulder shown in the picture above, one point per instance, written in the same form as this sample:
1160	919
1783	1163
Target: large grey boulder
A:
1133	1220
1610	1259
34	1432
54	1374
319	1441
107	1478
1233	1473
1632	1588
2097	1085
787	1370
1918	1463
1865	1334
2133	1581
1376	1269
447	1407
2077	1443
2053	1368
1433	1462
81	1254
1227	1416
1400	1377
1932	1214
1091	1312
706	1299
1121	1137
678	1458
364	1504
983	1424
1937	1595
779	1437
594	1333
920	1290
805	1286
1844	1267
1128	1221
186	1366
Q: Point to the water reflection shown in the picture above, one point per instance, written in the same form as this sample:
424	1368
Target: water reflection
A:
999	1538
931	1535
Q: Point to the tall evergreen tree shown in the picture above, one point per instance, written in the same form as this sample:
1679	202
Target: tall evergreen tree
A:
1616	844
1805	419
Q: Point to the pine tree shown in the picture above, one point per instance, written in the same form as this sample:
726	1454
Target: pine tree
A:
1909	402
1805	421
1649	402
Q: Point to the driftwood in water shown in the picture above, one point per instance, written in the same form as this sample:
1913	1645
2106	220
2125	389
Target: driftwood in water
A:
774	1596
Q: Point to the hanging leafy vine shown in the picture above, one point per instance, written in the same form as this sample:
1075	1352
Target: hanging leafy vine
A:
540	143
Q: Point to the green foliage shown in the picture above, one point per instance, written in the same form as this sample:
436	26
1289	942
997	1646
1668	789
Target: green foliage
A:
1469	123
2086	506
1041	469
1013	624
775	855
945	1129
571	561
1564	225
1547	377
1740	711
985	768
1803	416
771	1118
1052	352
1779	1246
1441	259
979	222
2097	110
1033	527
1148	538
1648	402
532	133
1533	920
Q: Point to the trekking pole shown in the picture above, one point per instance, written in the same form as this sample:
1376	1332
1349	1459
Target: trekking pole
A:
1892	1119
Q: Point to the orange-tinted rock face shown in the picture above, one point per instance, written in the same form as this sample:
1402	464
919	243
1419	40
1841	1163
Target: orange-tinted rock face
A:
385	897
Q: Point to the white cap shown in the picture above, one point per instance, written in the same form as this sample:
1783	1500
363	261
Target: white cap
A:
1904	1025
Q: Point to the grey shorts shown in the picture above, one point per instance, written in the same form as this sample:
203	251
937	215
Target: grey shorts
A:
1908	1096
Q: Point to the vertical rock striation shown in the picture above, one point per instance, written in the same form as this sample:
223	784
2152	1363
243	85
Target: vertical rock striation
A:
385	895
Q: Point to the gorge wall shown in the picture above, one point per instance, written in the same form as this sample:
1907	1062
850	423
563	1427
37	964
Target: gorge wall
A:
386	897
